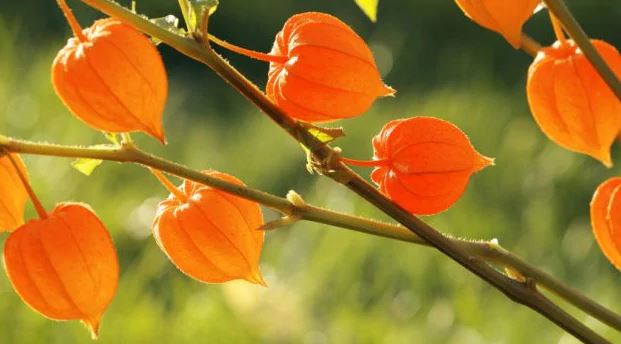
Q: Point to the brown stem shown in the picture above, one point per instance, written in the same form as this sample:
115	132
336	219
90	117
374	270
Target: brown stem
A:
529	45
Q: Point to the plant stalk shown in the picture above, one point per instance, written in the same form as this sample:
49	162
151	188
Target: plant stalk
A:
488	251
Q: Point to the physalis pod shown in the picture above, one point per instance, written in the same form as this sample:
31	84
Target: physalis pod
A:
210	235
64	265
606	219
570	101
13	195
424	163
327	72
503	16
112	77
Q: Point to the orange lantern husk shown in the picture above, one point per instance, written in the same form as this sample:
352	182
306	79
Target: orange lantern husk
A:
210	235
605	212
504	17
571	103
327	71
112	77
13	195
64	266
424	163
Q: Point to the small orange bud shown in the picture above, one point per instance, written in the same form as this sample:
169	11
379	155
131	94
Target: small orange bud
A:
424	163
210	235
327	72
13	195
112	78
606	219
64	266
570	101
504	17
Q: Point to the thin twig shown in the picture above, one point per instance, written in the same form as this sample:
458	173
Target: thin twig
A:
529	45
488	251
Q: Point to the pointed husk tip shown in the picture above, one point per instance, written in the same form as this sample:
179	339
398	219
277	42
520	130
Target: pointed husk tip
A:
604	157
484	162
93	326
256	278
158	134
388	91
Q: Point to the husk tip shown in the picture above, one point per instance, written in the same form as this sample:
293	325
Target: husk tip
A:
257	278
159	135
93	326
605	159
485	161
388	91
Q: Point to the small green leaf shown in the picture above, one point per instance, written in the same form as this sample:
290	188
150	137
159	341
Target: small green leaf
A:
86	166
324	134
193	11
112	137
369	7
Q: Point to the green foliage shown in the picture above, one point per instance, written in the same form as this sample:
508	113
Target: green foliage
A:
369	7
86	166
193	11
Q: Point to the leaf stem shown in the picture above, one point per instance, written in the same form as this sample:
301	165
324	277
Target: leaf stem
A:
168	185
73	22
529	45
247	52
558	29
364	163
33	196
575	31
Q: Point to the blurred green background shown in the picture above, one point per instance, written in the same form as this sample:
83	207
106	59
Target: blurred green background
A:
326	285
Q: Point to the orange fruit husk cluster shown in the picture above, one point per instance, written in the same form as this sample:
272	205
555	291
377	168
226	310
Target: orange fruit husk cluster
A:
13	196
64	266
606	219
113	79
503	16
571	103
327	71
210	235
424	163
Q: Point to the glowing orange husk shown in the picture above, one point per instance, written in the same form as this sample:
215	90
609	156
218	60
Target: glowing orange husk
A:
606	219
13	196
424	163
210	235
329	72
114	80
64	266
502	16
570	101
